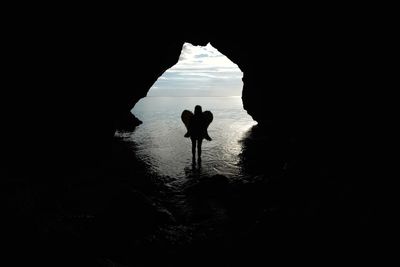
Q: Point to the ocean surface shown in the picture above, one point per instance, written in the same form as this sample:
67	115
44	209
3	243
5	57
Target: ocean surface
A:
160	143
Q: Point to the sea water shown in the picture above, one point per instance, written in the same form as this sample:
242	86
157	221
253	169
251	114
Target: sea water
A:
161	144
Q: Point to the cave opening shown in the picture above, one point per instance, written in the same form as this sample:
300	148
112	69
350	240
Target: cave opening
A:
202	76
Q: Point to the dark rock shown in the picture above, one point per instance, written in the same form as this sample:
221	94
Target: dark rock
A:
127	122
164	216
209	186
72	83
128	212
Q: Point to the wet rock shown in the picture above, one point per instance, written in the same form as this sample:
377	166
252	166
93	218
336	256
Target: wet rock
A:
127	122
209	186
128	218
164	216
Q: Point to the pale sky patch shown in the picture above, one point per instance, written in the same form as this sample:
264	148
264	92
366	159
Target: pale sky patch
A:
200	71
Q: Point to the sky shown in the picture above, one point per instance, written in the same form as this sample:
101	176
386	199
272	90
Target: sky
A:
200	71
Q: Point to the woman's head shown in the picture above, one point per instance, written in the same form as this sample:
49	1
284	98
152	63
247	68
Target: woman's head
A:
197	110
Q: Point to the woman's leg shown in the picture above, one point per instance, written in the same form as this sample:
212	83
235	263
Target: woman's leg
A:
199	141
193	148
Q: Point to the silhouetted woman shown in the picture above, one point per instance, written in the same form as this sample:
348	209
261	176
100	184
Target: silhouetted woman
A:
197	125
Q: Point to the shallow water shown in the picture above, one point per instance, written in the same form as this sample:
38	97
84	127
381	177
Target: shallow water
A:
161	144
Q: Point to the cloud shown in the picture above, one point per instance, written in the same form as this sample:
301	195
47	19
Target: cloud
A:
201	55
200	71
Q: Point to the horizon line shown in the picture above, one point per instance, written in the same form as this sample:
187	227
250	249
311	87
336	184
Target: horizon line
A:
193	96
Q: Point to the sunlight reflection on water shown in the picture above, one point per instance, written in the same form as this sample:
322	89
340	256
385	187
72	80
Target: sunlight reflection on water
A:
160	143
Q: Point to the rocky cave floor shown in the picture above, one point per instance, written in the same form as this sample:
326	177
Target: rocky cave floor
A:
118	214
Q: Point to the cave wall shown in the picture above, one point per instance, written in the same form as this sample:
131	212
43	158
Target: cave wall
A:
68	80
67	84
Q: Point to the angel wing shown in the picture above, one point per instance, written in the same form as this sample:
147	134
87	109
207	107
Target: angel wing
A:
208	118
186	116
